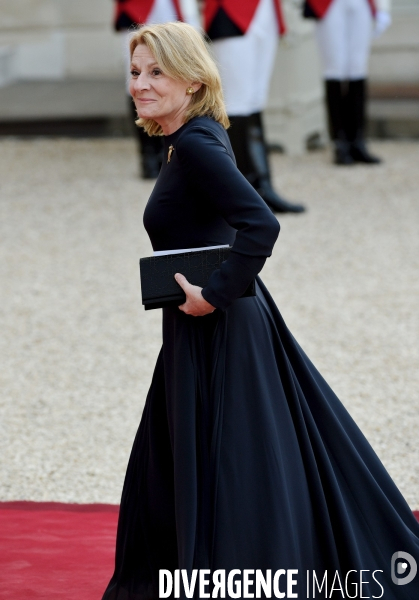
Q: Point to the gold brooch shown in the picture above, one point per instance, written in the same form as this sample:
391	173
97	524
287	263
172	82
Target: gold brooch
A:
169	154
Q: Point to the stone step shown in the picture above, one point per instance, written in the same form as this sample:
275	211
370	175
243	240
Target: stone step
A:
70	108
393	110
86	108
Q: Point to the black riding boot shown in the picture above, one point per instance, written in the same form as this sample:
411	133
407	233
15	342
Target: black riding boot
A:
150	148
239	138
335	111
247	140
356	101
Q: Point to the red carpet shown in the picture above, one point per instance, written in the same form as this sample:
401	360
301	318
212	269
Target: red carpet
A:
53	551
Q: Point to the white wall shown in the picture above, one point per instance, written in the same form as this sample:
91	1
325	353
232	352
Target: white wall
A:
395	55
56	39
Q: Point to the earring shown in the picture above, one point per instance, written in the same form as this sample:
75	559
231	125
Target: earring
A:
190	91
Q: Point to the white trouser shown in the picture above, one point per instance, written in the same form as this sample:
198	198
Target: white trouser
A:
344	37
246	62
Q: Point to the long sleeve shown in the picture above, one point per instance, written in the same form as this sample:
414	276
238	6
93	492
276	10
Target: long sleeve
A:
211	170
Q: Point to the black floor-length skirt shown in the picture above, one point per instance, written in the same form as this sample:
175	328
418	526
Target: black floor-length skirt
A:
246	459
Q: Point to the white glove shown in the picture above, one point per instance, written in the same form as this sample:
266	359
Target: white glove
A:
382	22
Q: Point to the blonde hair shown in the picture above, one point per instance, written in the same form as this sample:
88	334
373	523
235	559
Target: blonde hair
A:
181	53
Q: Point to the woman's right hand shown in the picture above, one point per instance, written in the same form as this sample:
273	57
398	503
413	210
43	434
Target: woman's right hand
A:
195	304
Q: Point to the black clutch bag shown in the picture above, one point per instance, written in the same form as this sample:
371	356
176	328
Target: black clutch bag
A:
158	285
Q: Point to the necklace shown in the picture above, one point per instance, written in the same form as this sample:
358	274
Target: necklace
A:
169	154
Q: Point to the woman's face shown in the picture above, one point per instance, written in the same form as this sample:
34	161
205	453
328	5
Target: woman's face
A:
156	95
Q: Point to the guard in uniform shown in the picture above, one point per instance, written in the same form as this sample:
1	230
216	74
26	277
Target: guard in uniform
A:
128	14
344	32
245	36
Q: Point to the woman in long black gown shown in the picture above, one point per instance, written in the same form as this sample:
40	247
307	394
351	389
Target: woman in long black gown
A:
244	458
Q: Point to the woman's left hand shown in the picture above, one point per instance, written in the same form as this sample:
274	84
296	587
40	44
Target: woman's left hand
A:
195	304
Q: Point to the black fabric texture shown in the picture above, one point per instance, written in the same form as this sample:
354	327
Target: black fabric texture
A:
202	199
244	457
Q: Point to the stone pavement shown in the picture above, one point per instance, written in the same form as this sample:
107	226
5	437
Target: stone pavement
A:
77	350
